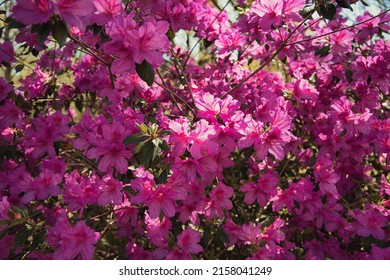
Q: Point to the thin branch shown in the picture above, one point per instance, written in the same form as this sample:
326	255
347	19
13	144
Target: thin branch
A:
17	59
112	79
172	96
338	30
177	96
182	73
197	43
88	49
114	210
265	63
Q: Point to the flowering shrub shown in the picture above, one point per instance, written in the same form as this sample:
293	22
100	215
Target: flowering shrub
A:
269	138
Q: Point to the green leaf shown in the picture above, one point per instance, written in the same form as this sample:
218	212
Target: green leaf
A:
306	11
206	235
20	237
156	153
34	52
128	189
140	146
327	10
154	129
171	34
134	138
156	142
164	132
79	103
344	4
42	31
324	51
164	146
163	177
146	72
369	80
19	68
12	23
4	222
38	239
222	235
348	75
3	233
15	223
143	128
147	154
60	32
207	43
11	215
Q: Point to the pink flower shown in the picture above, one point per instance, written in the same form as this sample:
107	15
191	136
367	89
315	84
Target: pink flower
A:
371	222
34	84
261	191
304	90
7	53
42	134
220	197
74	12
211	108
188	239
110	191
10	115
80	191
149	42
77	241
6	245
157	230
273	12
121	46
342	42
144	187
326	176
106	10
5	88
180	135
380	253
161	199
114	156
273	234
47	184
250	233
270	12
229	42
110	148
251	131
202	143
33	11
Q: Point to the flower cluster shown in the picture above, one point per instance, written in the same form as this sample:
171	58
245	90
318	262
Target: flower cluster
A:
266	137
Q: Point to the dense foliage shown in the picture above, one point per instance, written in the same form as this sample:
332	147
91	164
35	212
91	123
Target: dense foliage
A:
267	138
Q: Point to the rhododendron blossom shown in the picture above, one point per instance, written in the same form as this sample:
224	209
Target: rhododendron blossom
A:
33	11
177	129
